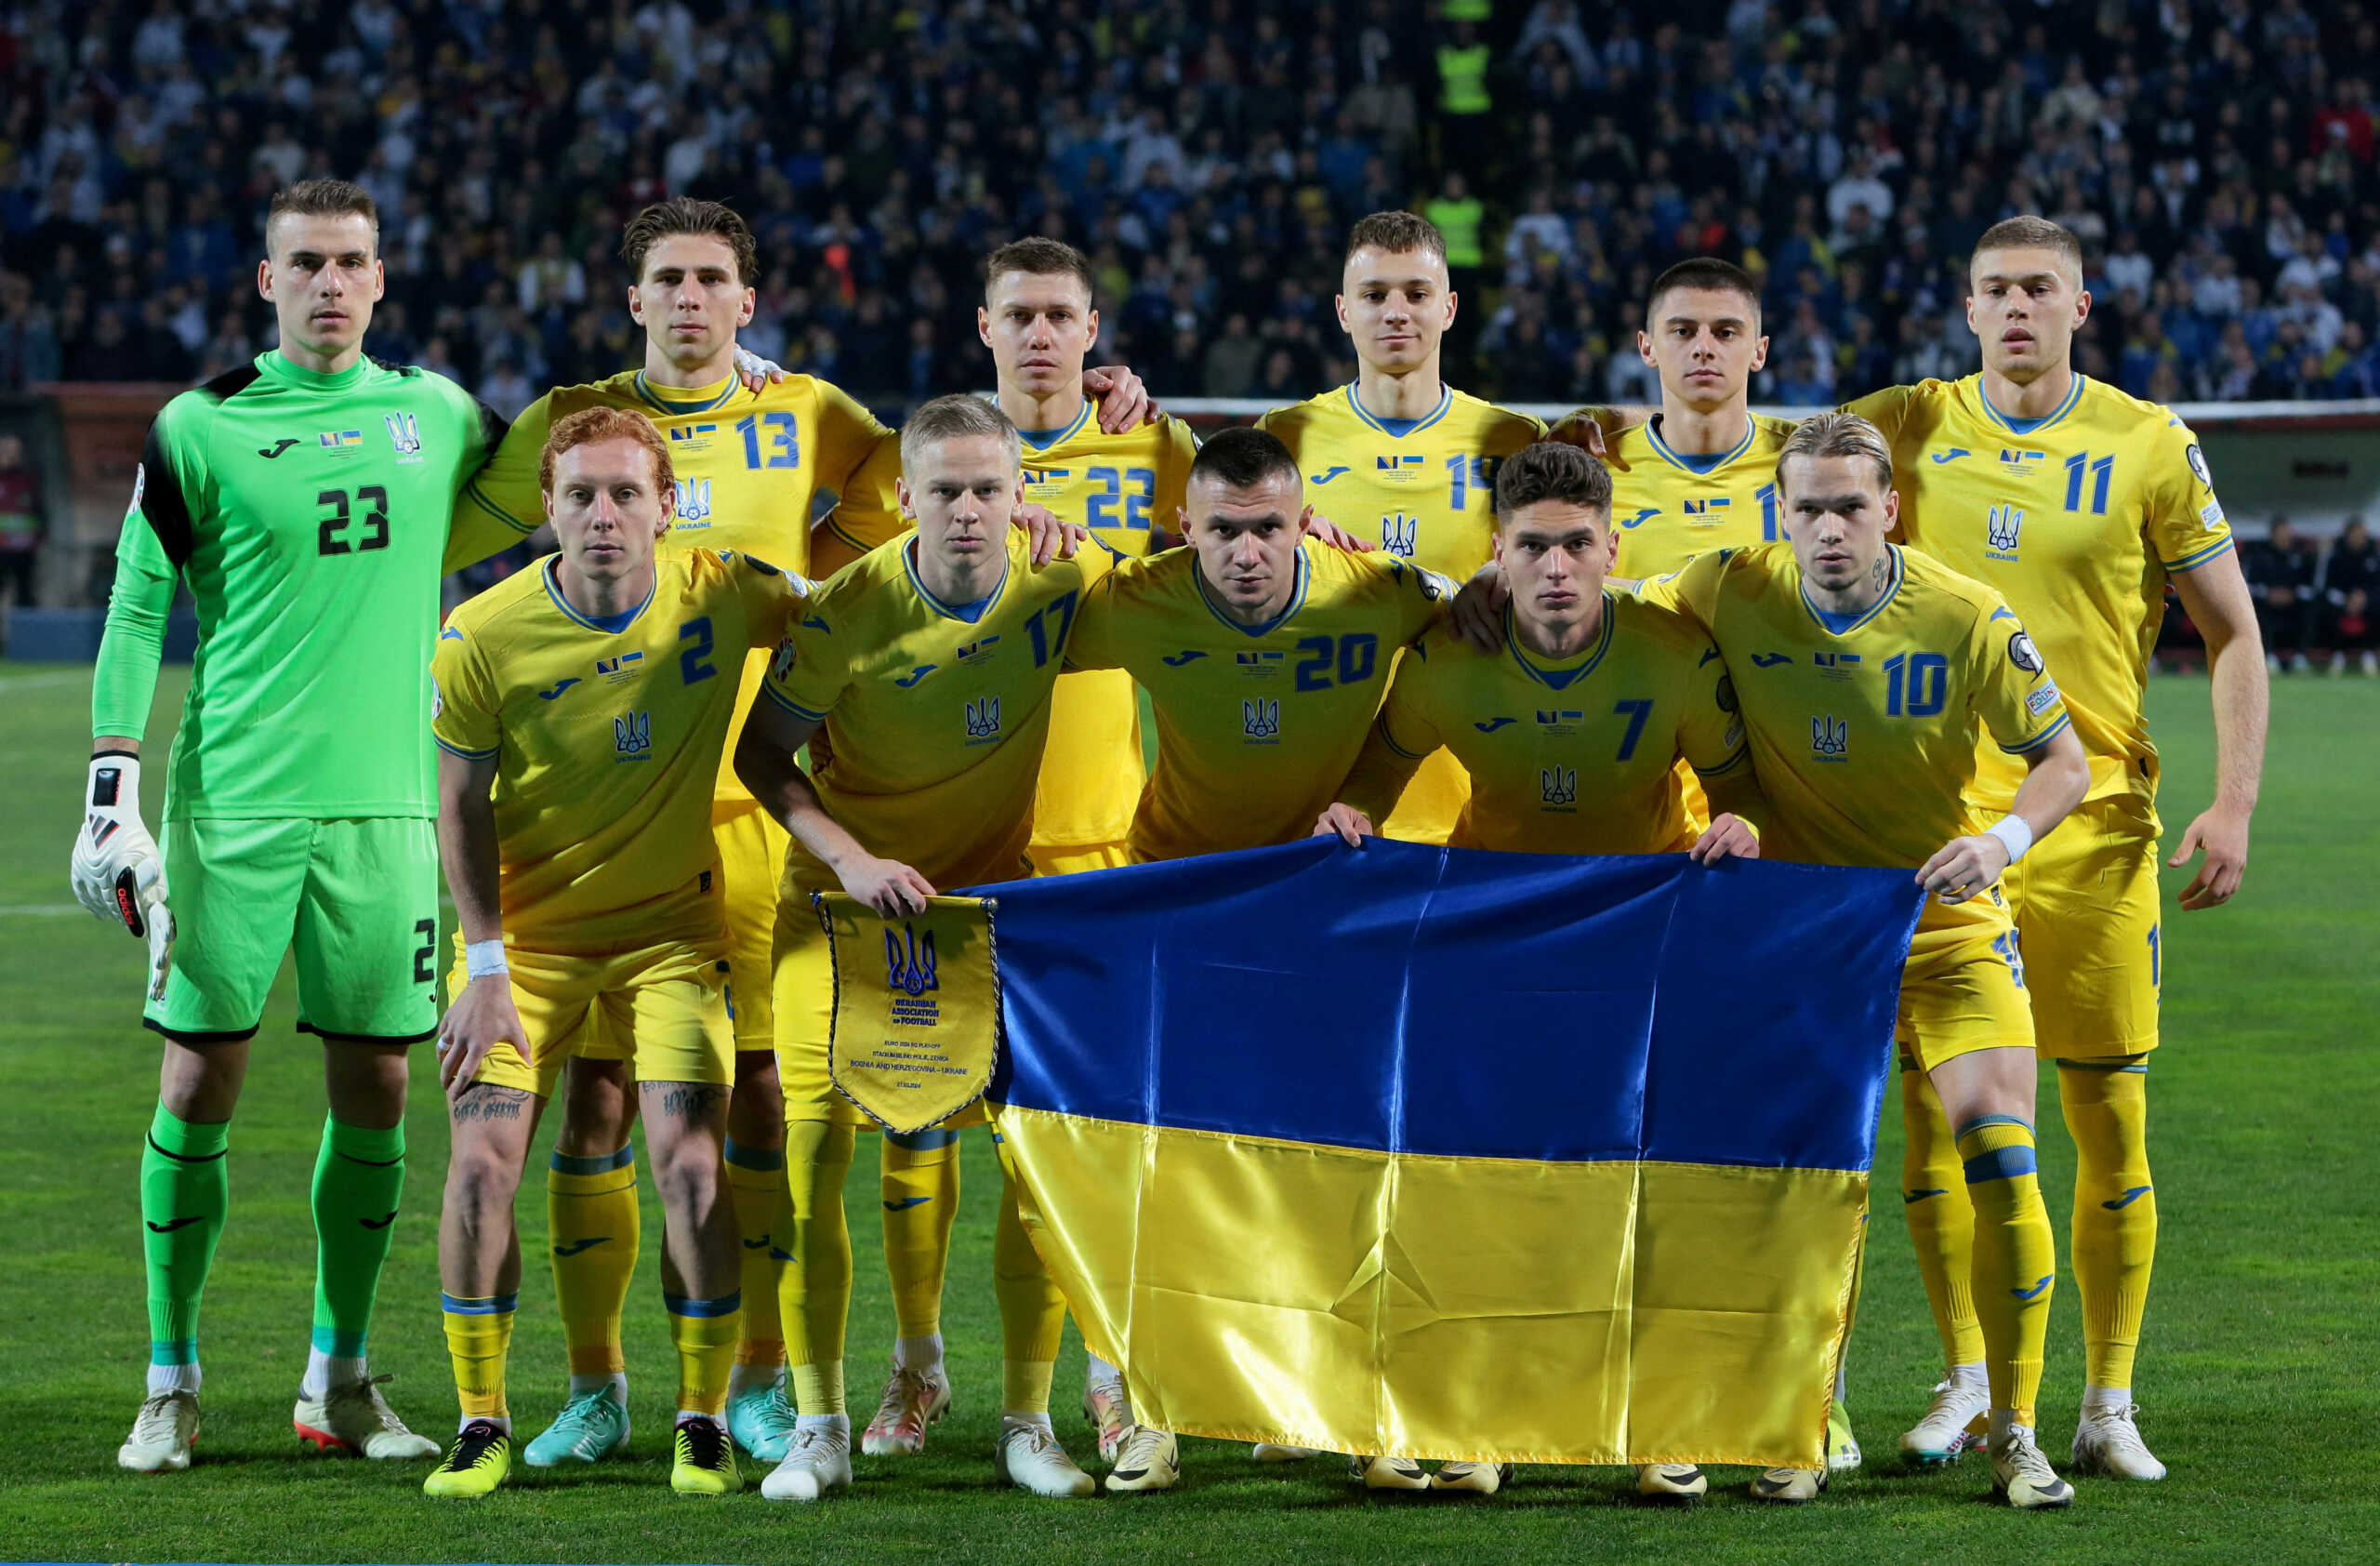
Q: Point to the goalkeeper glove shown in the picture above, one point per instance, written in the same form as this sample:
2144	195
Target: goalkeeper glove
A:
118	874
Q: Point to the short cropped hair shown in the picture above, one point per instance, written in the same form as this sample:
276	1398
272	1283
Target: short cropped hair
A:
1550	471
689	214
1038	256
2032	233
325	198
1839	434
1704	272
958	416
1396	232
1242	457
589	425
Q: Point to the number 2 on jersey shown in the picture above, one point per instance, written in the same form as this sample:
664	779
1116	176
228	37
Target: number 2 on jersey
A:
330	537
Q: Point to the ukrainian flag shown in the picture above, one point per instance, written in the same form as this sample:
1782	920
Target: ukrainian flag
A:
1459	1155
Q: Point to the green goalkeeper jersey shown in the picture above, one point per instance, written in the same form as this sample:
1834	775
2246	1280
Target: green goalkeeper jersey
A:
309	514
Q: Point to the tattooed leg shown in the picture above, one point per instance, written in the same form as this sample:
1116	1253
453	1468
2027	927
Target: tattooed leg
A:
685	1128
479	1249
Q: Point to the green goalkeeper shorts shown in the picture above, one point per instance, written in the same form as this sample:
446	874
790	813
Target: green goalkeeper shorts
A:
357	898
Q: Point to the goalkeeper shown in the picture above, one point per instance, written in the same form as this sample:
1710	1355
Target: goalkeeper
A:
304	499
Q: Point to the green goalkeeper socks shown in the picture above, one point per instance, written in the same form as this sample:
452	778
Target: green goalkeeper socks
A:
357	1180
185	1190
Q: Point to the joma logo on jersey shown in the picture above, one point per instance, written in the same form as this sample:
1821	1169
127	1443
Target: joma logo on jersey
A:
982	719
1492	724
1558	786
621	667
1711	507
693	502
1829	738
631	736
1175	660
1259	719
2002	528
1397	534
404	434
976	652
1770	660
909	960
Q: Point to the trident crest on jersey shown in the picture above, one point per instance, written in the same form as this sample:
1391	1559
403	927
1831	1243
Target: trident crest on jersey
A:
1829	738
1261	719
2002	528
1558	785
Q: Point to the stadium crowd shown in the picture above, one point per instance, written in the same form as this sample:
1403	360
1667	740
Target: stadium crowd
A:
2216	158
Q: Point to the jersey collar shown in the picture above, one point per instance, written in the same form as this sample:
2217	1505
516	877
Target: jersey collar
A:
1569	670
1297	600
1705	464
686	399
2027	426
1397	428
1042	440
276	366
955	611
610	625
1837	624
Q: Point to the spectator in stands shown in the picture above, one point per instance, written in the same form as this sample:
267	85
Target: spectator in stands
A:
2282	568
21	521
2351	594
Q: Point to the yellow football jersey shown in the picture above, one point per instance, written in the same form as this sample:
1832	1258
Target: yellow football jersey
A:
1666	509
606	739
1570	756
1120	486
1863	733
1256	725
935	721
1426	490
2076	520
751	467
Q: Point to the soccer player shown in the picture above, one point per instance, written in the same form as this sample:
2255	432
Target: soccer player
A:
1863	672
304	499
752	463
2080	505
925	669
1636	693
1402	445
1263	654
588	886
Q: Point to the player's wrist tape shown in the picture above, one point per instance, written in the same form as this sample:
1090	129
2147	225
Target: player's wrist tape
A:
2013	833
483	959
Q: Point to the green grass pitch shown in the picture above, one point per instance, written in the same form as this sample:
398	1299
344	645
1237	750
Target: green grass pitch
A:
2258	1375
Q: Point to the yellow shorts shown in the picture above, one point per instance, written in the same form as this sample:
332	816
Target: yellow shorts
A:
751	856
1433	801
1066	858
805	1009
2087	904
1962	990
665	1006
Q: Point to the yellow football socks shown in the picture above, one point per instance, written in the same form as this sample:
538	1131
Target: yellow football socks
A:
2016	1263
705	1332
479	1335
816	1294
764	1219
919	1179
2115	1208
1033	1314
1941	1219
591	1211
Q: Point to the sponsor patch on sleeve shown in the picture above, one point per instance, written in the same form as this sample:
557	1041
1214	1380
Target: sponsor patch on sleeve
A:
2210	514
2043	699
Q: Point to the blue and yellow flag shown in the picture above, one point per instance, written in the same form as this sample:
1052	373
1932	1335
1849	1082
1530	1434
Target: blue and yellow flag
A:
1456	1155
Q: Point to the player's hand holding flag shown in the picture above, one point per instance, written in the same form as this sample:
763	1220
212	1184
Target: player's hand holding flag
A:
1352	825
1728	835
889	886
118	874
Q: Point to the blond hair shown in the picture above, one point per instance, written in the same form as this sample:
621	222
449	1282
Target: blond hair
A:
1839	434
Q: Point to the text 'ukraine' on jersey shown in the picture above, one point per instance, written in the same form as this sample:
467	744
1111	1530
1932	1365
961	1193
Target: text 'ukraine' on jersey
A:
934	718
607	741
1423	490
1863	731
1667	508
2076	520
751	469
1122	487
307	513
1256	725
1573	755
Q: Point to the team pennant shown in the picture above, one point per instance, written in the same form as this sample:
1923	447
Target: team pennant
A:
915	1034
